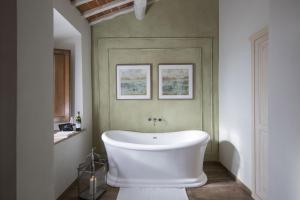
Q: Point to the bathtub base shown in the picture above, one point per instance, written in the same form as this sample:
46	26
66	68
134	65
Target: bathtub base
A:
136	183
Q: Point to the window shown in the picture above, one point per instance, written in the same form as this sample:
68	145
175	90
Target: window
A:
62	85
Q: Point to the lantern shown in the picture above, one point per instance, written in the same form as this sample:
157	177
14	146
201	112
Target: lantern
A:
92	177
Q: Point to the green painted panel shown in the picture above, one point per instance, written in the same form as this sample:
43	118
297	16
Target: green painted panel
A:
110	113
134	114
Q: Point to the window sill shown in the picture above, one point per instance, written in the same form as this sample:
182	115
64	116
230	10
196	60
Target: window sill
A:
66	136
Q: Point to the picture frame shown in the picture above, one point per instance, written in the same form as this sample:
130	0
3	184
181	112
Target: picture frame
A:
175	81
133	81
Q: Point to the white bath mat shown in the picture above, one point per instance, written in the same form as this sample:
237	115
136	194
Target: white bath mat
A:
152	194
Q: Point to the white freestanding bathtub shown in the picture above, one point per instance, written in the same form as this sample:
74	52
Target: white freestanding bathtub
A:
155	159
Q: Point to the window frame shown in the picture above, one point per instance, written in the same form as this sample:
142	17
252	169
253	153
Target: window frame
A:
67	90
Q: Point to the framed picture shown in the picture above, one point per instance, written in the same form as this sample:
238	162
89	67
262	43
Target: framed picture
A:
133	81
175	81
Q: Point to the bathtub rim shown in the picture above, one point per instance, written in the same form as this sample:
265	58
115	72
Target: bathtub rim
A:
148	147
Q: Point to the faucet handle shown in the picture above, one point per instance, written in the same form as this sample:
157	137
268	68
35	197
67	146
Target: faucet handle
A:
149	119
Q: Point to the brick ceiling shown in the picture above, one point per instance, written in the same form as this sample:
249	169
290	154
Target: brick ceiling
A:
97	10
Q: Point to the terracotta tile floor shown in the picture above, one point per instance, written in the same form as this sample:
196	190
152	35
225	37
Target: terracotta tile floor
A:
220	186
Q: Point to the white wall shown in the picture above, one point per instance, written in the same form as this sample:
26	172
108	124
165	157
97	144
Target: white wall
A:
65	172
35	100
67	155
239	19
284	98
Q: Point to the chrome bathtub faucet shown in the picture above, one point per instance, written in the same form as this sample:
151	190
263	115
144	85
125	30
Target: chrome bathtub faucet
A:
154	119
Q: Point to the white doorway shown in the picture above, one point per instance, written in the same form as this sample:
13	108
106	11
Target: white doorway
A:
260	113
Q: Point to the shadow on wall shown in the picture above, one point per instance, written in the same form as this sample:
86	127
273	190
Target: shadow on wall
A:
230	157
148	8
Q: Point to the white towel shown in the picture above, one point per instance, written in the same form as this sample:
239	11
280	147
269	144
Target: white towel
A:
152	194
63	134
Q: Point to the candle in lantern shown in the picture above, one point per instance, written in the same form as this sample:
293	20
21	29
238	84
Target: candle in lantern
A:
93	184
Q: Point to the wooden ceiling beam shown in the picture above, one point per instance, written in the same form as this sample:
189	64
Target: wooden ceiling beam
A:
117	13
140	9
105	7
80	2
112	15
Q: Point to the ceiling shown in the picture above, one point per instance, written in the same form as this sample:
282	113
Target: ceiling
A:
96	11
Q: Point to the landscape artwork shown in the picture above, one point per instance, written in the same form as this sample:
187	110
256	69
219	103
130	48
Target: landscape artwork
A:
133	82
176	81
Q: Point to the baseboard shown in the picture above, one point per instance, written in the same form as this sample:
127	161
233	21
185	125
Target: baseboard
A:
67	190
239	182
243	186
255	197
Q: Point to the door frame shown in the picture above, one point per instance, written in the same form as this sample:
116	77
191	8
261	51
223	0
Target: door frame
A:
256	36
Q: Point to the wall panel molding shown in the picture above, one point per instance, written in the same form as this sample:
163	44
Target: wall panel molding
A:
110	51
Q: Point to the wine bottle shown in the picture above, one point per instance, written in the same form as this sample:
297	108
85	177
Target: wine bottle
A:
78	121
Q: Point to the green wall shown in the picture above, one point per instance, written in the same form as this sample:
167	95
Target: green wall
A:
173	31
